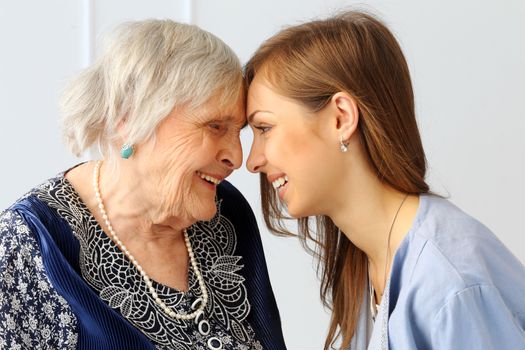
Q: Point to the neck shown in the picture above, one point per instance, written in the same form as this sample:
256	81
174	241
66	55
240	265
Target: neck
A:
133	214
365	213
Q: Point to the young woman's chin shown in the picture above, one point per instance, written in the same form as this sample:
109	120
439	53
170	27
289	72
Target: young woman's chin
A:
300	210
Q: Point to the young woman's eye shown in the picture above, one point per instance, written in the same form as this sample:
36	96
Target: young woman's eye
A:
263	128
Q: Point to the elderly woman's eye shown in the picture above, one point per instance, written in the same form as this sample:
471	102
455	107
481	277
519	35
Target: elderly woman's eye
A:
215	126
218	128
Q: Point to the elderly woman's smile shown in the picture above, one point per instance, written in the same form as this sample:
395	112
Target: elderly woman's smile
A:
212	180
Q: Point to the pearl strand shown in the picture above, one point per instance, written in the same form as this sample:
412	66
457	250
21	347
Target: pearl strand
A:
169	311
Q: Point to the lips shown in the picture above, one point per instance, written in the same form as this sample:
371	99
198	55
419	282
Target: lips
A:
212	179
280	182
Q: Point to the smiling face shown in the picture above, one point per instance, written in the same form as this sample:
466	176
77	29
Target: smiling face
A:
190	154
295	148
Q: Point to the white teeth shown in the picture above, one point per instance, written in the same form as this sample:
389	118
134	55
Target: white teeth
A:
280	181
209	178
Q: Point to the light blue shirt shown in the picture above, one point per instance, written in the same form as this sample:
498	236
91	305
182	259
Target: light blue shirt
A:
453	285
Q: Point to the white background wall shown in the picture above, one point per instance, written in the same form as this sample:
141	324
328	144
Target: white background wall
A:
467	60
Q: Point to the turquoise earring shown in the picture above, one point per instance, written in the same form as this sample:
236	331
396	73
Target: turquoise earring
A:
126	151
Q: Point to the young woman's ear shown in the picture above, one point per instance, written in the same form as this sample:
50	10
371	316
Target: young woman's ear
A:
347	115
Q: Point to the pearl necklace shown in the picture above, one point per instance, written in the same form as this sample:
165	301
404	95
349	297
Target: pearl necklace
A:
168	310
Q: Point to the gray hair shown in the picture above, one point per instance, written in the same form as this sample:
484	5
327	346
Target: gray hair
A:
147	68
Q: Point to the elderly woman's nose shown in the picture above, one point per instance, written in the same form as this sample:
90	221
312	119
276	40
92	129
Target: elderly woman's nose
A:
255	160
231	155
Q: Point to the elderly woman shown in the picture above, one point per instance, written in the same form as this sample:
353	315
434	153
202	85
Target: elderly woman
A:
148	247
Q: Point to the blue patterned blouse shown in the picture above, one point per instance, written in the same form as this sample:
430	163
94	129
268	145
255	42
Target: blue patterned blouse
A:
64	284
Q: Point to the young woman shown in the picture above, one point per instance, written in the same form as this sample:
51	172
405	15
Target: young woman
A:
331	106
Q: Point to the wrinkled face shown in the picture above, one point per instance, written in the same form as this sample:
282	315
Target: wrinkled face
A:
192	152
290	147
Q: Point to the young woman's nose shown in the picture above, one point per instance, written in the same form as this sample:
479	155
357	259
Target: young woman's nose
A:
256	160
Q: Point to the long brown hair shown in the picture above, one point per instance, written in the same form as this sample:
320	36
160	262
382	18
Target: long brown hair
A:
356	53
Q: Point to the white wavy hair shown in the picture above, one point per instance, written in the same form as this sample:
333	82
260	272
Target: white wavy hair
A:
147	68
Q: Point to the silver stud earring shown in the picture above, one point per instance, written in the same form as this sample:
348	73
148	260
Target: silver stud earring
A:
342	145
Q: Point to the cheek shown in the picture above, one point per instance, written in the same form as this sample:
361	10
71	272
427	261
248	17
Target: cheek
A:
173	154
170	167
282	148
